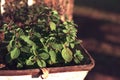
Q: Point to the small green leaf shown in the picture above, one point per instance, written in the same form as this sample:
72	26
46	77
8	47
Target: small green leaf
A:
52	38
39	21
15	53
19	65
25	49
67	54
68	38
72	45
29	62
56	46
77	61
41	63
55	12
27	40
11	43
52	26
44	56
34	47
52	56
19	44
50	62
78	57
20	31
37	34
65	31
42	40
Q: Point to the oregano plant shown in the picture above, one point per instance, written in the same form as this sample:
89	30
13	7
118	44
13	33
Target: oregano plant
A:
36	37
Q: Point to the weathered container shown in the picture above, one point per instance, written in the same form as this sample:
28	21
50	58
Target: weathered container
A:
77	72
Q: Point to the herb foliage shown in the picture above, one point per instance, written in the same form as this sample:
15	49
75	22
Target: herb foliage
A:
37	37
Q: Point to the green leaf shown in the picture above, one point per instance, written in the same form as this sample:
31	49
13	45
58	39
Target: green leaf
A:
56	46
27	40
55	12
34	47
29	62
15	53
72	45
65	31
44	56
20	31
19	44
11	43
52	26
42	40
50	62
67	54
19	65
25	49
52	56
41	63
37	34
68	38
78	57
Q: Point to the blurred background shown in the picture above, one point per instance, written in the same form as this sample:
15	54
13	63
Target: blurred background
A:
99	28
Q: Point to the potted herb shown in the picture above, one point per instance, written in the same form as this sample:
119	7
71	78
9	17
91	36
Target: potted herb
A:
35	41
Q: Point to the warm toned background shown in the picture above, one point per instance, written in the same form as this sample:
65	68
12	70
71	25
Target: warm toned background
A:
99	28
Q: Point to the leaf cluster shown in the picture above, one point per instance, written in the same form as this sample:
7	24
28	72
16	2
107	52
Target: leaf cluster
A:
37	37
